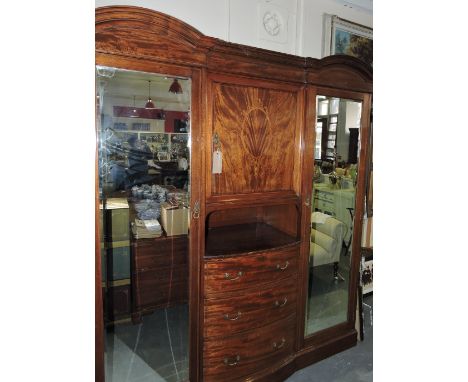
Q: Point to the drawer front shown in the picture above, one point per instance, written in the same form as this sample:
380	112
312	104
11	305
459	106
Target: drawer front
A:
326	196
325	206
231	358
160	287
236	273
154	277
162	253
162	295
250	310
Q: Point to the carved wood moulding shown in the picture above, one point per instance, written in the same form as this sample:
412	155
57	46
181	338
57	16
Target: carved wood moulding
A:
143	33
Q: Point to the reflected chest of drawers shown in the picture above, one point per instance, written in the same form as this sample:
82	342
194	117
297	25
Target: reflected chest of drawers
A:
159	273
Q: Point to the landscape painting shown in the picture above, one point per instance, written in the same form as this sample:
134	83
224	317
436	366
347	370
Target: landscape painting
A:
353	45
346	37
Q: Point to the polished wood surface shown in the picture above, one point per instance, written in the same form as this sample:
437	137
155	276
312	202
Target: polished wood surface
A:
227	274
160	252
231	358
256	128
245	238
236	312
306	209
99	306
137	32
159	273
226	77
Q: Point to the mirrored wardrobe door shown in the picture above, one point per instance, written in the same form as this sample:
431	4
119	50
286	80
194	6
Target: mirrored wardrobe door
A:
336	150
143	133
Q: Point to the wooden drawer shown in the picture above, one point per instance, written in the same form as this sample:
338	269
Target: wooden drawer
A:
240	272
325	205
231	358
250	310
162	252
160	287
162	296
162	275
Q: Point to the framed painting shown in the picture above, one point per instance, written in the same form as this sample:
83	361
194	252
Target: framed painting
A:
345	37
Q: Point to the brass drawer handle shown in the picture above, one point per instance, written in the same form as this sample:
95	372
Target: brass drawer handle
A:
226	316
281	304
231	362
280	345
280	268
228	276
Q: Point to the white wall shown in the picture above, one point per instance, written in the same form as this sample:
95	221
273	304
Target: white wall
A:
208	16
241	21
313	12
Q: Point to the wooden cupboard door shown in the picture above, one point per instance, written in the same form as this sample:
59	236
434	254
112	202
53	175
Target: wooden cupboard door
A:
257	130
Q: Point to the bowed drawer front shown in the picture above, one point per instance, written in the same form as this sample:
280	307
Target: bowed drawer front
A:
235	273
249	313
250	309
232	358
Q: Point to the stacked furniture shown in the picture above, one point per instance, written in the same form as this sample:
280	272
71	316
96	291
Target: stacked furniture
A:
249	225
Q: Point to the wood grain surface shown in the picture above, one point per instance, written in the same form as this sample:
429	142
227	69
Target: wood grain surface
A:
255	100
250	309
257	131
227	274
233	357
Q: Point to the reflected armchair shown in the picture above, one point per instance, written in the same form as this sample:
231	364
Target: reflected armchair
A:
326	241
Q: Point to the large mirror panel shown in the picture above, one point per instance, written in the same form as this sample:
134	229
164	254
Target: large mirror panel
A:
334	190
143	131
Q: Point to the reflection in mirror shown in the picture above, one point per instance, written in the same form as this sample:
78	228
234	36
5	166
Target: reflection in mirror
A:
144	171
335	171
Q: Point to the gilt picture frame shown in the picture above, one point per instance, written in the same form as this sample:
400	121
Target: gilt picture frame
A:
342	36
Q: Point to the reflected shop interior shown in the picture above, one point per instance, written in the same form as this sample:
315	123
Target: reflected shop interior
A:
334	191
143	129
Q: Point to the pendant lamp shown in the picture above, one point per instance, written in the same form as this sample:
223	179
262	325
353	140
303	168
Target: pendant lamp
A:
134	112
175	87
149	104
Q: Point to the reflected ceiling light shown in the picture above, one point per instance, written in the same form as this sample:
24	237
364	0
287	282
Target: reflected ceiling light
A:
175	87
149	104
134	112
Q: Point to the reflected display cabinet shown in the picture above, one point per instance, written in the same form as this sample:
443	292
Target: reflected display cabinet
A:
253	272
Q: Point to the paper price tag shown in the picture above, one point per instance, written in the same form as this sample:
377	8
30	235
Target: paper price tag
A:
217	162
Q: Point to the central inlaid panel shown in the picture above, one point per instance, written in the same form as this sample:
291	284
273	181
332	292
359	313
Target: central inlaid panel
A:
255	129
